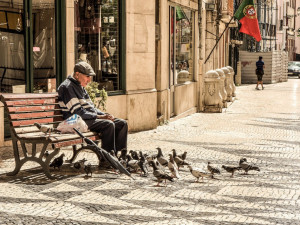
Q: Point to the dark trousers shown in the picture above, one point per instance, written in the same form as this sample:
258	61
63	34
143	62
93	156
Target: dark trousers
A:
113	133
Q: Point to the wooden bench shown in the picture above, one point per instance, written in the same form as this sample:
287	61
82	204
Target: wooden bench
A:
23	111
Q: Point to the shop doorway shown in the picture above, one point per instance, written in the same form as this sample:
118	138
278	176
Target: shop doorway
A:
28	41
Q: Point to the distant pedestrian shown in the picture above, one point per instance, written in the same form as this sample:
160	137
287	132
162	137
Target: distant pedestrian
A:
260	65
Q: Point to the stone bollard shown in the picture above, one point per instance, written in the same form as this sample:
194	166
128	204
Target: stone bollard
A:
228	85
212	98
232	80
222	87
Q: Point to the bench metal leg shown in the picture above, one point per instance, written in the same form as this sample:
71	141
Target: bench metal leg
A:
17	159
20	162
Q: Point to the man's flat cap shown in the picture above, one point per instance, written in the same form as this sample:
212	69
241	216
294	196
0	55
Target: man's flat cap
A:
84	68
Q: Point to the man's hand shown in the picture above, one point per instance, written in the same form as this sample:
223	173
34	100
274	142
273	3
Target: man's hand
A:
106	117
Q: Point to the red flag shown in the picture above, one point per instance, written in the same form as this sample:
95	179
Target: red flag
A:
246	14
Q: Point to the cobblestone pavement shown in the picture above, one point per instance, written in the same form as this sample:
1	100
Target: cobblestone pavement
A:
262	126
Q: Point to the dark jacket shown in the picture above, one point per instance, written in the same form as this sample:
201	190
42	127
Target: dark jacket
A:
73	99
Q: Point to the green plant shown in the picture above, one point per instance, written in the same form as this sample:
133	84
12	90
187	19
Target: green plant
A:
98	97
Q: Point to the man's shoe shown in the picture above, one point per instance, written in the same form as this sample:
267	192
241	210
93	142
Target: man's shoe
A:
257	88
263	88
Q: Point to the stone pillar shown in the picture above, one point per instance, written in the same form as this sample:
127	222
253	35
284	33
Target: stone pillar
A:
232	80
228	85
222	87
212	98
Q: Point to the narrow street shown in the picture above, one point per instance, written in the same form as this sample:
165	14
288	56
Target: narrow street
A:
260	125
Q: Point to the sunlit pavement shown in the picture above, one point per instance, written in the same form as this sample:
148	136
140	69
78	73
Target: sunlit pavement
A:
261	125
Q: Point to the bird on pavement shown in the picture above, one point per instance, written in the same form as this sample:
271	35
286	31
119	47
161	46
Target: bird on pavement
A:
123	154
212	169
88	169
142	165
183	155
58	162
46	129
173	167
231	169
134	155
159	174
246	166
197	172
179	161
79	164
132	163
46	154
160	157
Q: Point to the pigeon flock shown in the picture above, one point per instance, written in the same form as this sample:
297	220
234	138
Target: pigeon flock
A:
163	169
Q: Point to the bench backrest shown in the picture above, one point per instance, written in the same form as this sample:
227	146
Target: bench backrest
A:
26	109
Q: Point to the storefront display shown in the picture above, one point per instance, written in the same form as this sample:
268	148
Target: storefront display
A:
97	37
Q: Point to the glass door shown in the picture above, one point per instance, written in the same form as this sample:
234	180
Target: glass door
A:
12	62
31	43
43	49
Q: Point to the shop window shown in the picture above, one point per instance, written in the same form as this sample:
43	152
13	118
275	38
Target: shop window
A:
184	44
97	39
12	68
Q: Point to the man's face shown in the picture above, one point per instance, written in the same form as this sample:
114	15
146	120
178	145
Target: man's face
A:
83	79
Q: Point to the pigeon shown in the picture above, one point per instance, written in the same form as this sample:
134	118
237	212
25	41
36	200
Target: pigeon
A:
179	161
197	172
142	165
160	175
134	155
88	169
46	154
150	157
132	163
160	157
246	166
231	169
173	167
46	129
212	169
183	155
80	164
123	154
57	162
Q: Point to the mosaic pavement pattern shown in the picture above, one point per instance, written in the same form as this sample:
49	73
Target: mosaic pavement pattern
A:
262	126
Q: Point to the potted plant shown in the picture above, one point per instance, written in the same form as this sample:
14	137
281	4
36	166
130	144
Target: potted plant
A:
98	97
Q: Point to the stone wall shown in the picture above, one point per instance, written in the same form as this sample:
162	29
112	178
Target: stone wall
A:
275	66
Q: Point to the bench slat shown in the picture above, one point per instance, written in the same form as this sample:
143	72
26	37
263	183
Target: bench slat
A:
9	96
31	108
54	137
17	123
34	115
31	102
73	142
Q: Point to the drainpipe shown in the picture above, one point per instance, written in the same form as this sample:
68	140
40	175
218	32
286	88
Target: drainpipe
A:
259	22
200	28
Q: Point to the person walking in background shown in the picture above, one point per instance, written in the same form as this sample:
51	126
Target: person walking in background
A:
260	65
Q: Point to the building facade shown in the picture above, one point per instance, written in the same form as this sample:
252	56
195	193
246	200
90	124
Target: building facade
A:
151	56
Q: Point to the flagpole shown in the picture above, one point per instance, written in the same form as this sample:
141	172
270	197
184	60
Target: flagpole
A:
218	40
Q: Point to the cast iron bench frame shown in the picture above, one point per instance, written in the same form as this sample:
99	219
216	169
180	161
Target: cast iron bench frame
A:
23	111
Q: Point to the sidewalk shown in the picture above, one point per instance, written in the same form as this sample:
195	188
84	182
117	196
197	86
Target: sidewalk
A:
261	125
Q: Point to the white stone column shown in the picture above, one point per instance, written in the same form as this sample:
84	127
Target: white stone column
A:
222	87
228	85
232	80
212	98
